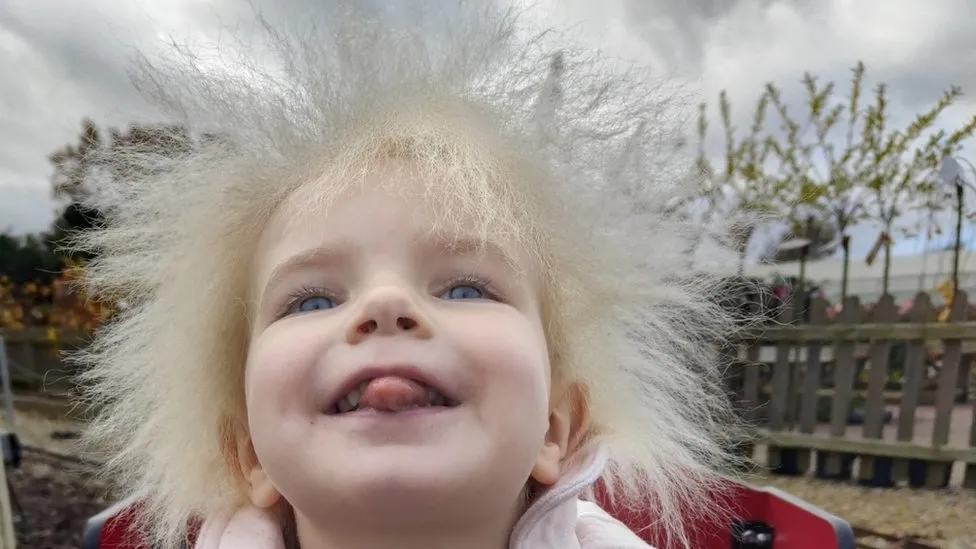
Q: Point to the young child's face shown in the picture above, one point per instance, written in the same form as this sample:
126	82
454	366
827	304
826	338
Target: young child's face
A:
394	367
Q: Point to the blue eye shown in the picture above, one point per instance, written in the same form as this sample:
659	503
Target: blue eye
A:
463	292
315	303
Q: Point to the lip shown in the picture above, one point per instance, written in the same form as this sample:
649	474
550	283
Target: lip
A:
406	371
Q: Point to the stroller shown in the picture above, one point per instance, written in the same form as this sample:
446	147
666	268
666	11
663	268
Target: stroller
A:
765	518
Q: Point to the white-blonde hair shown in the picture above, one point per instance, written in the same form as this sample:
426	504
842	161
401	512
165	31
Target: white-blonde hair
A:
573	156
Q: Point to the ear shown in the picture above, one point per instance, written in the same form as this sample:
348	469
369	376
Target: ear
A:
567	417
262	491
243	462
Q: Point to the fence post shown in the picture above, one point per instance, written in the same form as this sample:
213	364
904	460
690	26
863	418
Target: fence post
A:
809	395
937	474
780	459
837	465
7	534
8	395
874	470
969	480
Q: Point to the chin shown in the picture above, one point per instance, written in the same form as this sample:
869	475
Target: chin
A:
409	482
447	474
407	466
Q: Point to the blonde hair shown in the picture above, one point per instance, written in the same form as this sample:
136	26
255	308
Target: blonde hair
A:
571	155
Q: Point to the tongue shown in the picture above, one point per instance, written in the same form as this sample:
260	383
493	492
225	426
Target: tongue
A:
392	394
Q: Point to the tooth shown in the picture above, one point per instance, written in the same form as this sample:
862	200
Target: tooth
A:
435	399
353	397
344	406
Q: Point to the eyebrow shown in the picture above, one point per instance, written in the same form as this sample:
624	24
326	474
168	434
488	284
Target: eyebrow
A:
464	246
343	252
319	257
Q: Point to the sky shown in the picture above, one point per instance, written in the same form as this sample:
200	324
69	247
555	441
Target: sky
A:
63	60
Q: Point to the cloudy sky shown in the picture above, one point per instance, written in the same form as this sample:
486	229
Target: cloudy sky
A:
62	60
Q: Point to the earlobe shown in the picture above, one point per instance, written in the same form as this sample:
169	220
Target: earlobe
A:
260	490
264	495
548	465
567	427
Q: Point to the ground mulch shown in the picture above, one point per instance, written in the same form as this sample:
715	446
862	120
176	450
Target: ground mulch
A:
52	498
940	518
53	502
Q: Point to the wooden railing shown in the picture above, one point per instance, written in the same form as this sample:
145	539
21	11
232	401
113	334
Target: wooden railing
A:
823	398
36	357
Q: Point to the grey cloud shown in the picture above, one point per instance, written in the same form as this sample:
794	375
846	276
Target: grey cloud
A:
86	47
66	62
63	60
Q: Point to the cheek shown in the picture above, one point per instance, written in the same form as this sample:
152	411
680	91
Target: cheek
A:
510	359
276	379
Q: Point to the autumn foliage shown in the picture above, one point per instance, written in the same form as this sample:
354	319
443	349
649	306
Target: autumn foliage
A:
58	306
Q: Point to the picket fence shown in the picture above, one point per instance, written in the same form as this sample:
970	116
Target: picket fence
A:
824	399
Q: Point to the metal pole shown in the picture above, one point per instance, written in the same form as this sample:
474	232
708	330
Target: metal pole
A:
8	539
8	395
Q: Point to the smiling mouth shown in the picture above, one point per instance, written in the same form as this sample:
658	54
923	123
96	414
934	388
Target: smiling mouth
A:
391	394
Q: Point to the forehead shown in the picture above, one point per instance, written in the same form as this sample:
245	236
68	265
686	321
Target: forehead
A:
391	204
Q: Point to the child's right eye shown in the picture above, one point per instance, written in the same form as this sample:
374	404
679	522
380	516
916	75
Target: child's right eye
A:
315	303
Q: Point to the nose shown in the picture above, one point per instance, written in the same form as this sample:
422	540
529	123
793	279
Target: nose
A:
389	311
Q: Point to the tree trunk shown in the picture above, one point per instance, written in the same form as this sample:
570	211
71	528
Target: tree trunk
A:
746	236
886	274
845	242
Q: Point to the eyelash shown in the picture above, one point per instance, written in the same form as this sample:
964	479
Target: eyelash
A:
480	282
294	298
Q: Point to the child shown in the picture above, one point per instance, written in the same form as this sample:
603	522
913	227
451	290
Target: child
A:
421	285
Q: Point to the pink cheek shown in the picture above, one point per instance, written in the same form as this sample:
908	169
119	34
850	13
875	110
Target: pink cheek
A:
271	376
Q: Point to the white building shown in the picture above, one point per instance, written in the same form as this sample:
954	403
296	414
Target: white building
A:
909	274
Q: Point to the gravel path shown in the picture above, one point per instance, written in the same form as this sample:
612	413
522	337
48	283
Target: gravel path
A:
944	519
53	499
56	500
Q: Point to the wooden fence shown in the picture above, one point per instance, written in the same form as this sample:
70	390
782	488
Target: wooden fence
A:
36	358
824	398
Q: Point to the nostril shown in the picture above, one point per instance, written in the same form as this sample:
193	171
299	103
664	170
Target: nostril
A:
406	323
368	327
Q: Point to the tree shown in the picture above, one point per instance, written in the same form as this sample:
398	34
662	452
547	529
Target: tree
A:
35	282
906	166
868	172
742	190
73	163
27	259
78	168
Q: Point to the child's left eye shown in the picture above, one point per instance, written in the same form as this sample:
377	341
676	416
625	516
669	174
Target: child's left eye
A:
463	291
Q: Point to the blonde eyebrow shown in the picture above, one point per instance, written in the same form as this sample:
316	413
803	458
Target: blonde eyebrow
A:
319	257
465	246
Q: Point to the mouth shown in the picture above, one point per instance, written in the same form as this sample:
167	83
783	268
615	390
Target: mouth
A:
390	390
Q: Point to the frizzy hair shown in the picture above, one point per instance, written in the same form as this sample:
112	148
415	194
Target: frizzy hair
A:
573	156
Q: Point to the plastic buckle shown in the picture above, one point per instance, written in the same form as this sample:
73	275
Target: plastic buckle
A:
752	534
